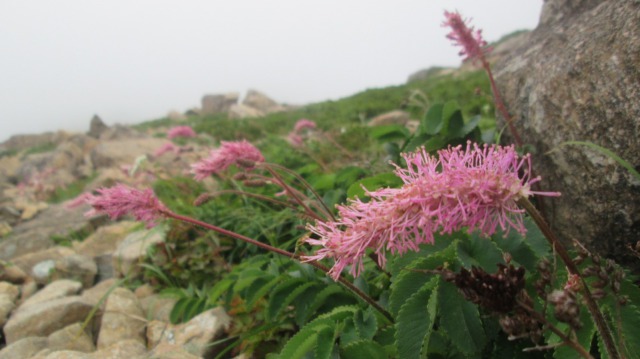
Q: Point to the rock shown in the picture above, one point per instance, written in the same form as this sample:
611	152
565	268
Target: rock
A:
12	274
5	229
46	318
576	78
72	337
28	261
29	288
123	349
213	104
99	293
76	267
105	239
239	111
23	348
123	319
174	115
171	352
41	272
131	251
429	73
143	291
21	142
62	354
8	295
104	264
261	102
55	290
35	235
110	153
9	166
157	307
97	127
120	132
195	336
396	117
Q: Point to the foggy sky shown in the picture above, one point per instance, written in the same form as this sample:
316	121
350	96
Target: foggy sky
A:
63	61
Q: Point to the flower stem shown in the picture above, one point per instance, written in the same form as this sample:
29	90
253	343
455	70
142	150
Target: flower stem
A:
592	306
497	99
282	252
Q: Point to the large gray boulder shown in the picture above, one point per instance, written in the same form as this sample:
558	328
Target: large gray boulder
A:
577	78
212	104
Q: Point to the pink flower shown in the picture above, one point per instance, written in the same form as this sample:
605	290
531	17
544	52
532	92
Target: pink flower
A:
474	189
295	140
167	147
304	124
181	131
122	200
473	45
229	153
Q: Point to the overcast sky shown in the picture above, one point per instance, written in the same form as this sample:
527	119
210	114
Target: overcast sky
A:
63	61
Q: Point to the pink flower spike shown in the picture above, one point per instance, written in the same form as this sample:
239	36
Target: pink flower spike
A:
181	131
304	124
229	153
122	200
472	43
472	188
167	147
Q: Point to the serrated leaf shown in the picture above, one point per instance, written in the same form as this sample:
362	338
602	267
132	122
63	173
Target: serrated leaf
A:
584	337
366	323
460	319
516	245
386	338
298	345
409	282
536	240
630	324
279	294
372	183
219	288
389	132
416	142
347	175
455	125
260	288
471	125
432	122
363	349
413	323
479	252
274	308
325	343
247	277
318	301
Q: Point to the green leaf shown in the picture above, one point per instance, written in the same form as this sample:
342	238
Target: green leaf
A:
432	122
470	126
409	281
460	319
515	244
279	294
479	252
389	132
372	183
415	142
413	323
260	288
630	323
584	337
455	124
324	182
299	344
366	323
363	349
348	175
325	343
319	299
247	277
275	308
177	313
